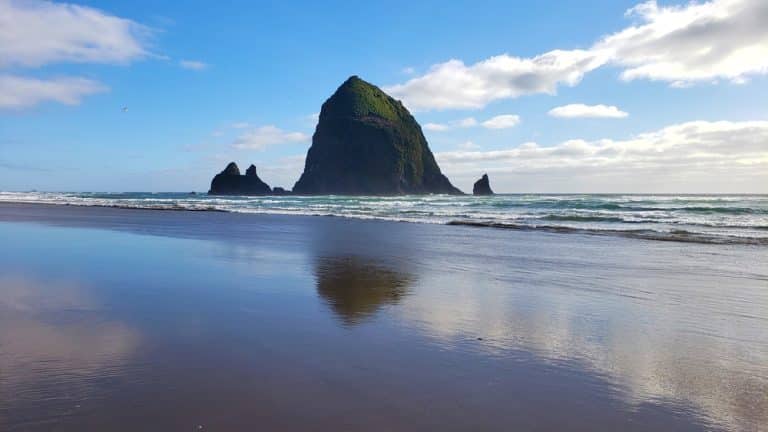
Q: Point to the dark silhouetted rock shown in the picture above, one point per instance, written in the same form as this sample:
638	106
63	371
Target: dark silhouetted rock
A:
482	186
279	191
367	143
230	182
231	169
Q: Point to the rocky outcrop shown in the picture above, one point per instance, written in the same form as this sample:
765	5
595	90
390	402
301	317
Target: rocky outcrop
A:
482	186
280	191
231	182
367	143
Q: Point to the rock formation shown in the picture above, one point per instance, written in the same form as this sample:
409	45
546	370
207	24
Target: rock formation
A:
279	191
367	143
231	182
482	186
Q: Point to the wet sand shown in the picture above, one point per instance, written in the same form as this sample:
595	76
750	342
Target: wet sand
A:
125	320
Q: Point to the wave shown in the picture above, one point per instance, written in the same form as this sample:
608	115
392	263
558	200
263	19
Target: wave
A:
577	218
620	220
621	207
646	234
743	222
702	209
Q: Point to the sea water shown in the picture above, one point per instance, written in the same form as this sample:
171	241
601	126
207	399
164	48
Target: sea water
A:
739	219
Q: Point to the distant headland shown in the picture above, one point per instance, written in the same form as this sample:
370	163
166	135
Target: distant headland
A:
365	143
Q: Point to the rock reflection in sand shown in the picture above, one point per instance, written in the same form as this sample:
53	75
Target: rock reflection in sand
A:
356	288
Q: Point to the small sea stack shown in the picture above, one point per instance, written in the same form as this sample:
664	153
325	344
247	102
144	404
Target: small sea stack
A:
280	191
482	186
231	182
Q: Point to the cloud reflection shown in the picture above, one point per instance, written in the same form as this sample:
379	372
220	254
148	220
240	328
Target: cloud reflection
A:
55	340
649	353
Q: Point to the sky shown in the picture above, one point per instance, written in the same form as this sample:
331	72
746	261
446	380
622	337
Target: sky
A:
574	96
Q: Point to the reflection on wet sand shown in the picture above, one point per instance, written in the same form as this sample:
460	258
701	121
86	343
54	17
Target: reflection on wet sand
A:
254	325
54	344
355	288
664	353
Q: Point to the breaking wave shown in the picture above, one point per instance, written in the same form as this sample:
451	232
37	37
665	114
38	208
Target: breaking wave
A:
717	219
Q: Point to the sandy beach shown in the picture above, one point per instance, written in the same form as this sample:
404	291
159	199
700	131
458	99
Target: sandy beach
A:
125	320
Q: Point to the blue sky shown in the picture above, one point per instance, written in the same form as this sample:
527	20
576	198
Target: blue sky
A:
682	85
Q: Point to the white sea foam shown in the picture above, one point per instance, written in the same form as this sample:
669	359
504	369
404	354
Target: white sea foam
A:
705	218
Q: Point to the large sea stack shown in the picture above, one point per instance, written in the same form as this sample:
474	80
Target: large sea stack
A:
482	186
230	182
367	143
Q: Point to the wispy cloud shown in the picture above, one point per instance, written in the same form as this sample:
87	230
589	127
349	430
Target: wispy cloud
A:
193	65
17	92
35	33
453	84
466	122
436	127
498	122
38	33
502	121
587	111
682	45
468	145
262	137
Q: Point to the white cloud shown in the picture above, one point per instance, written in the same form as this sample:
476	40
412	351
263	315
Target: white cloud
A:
455	85
436	127
264	136
502	121
408	70
499	122
35	33
697	42
676	157
193	65
587	111
240	125
467	122
468	145
17	92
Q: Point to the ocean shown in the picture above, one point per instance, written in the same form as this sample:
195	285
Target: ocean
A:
721	219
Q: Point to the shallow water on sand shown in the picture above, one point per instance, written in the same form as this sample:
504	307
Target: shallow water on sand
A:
115	319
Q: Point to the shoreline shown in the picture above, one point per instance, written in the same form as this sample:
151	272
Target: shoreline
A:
674	236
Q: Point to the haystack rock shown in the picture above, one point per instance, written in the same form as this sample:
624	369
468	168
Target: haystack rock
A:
367	143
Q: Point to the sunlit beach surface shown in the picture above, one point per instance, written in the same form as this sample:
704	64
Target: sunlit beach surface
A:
132	319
